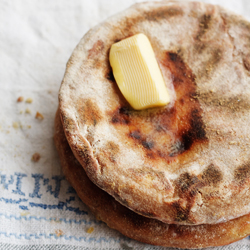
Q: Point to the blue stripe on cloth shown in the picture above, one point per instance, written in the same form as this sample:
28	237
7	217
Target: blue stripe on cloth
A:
12	201
61	205
70	221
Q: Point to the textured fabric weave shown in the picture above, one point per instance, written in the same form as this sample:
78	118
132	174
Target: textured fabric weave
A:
38	208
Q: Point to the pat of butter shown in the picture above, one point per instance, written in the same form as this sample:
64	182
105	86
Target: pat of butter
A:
137	73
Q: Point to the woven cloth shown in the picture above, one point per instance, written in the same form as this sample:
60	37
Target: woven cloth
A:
38	207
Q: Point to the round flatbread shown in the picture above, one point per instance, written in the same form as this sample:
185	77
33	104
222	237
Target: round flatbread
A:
135	226
185	163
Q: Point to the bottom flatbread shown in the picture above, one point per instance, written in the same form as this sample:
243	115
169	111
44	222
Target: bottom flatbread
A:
135	226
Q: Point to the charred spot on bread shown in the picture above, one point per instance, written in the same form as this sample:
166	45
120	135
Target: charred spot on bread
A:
121	116
161	13
246	62
89	112
242	173
196	132
212	175
204	25
182	213
186	182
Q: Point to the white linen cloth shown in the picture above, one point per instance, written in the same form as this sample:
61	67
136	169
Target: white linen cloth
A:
38	208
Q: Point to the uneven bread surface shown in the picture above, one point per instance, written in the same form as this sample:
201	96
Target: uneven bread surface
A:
138	227
188	162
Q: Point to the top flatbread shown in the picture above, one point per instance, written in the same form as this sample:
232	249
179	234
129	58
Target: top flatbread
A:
186	163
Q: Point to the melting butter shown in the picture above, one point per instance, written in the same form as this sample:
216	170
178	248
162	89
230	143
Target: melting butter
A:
137	73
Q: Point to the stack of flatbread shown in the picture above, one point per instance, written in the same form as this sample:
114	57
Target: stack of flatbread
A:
177	175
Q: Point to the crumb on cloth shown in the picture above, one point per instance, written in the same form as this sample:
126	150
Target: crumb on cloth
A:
27	111
20	99
59	232
29	100
15	125
35	157
90	230
39	116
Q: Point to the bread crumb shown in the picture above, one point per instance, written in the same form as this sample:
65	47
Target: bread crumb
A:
28	126
15	125
90	230
20	99
27	111
59	232
36	157
39	116
29	100
24	213
232	143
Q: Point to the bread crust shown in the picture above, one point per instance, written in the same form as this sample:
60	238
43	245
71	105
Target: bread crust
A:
135	226
189	162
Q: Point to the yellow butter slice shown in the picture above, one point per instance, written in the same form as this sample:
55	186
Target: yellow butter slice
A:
137	73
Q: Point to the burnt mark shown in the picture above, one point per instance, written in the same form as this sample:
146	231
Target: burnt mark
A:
188	110
212	175
89	112
110	76
136	135
196	132
173	57
121	116
147	144
246	62
186	182
182	214
96	49
117	40
187	188
242	173
204	25
162	13
176	148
